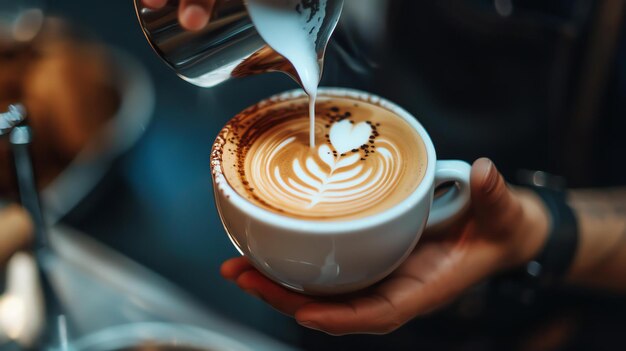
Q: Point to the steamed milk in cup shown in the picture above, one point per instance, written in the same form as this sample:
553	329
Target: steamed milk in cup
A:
366	158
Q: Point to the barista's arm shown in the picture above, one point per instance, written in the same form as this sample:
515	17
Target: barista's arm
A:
193	14
601	257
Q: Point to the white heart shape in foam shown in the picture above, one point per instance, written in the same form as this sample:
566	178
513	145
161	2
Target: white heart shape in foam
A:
344	136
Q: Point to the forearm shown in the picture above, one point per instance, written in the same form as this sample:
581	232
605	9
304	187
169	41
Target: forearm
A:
601	256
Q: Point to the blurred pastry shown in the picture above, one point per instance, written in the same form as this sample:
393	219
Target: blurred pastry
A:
67	87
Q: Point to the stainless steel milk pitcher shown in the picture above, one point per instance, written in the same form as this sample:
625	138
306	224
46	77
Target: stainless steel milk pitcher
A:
228	47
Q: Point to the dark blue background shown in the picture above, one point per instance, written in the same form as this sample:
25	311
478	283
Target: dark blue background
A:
481	84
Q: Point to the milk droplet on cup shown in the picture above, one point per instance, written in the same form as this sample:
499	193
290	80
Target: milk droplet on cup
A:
291	28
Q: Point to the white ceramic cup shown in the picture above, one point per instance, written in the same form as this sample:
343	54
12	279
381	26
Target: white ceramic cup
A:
326	258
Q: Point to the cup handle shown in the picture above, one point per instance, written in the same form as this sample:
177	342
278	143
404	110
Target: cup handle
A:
453	202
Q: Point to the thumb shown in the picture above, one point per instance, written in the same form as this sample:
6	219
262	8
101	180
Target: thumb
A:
493	202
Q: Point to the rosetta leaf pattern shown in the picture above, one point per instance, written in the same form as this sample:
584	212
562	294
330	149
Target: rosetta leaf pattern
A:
344	137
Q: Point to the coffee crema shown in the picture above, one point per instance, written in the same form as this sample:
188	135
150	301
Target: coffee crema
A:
367	158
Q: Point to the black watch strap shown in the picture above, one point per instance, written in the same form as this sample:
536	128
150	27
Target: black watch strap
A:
556	256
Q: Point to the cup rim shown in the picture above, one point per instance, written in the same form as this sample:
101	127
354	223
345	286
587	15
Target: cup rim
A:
221	184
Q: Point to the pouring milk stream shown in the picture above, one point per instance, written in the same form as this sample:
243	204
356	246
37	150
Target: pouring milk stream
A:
291	28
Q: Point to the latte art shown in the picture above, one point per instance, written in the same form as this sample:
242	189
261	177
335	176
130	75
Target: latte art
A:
324	182
366	159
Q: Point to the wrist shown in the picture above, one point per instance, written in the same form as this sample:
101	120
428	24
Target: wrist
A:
554	259
531	232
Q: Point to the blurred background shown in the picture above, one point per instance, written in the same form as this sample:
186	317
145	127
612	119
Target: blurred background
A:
531	84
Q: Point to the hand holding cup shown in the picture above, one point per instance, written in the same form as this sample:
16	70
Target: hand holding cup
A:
503	228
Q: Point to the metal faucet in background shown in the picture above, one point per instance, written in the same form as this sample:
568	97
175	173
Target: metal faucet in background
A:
10	119
228	47
14	124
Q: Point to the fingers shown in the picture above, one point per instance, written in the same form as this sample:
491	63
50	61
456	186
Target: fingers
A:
285	301
15	231
154	4
254	283
234	267
371	313
195	14
492	200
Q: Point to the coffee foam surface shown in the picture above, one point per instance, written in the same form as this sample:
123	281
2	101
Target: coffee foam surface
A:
367	158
